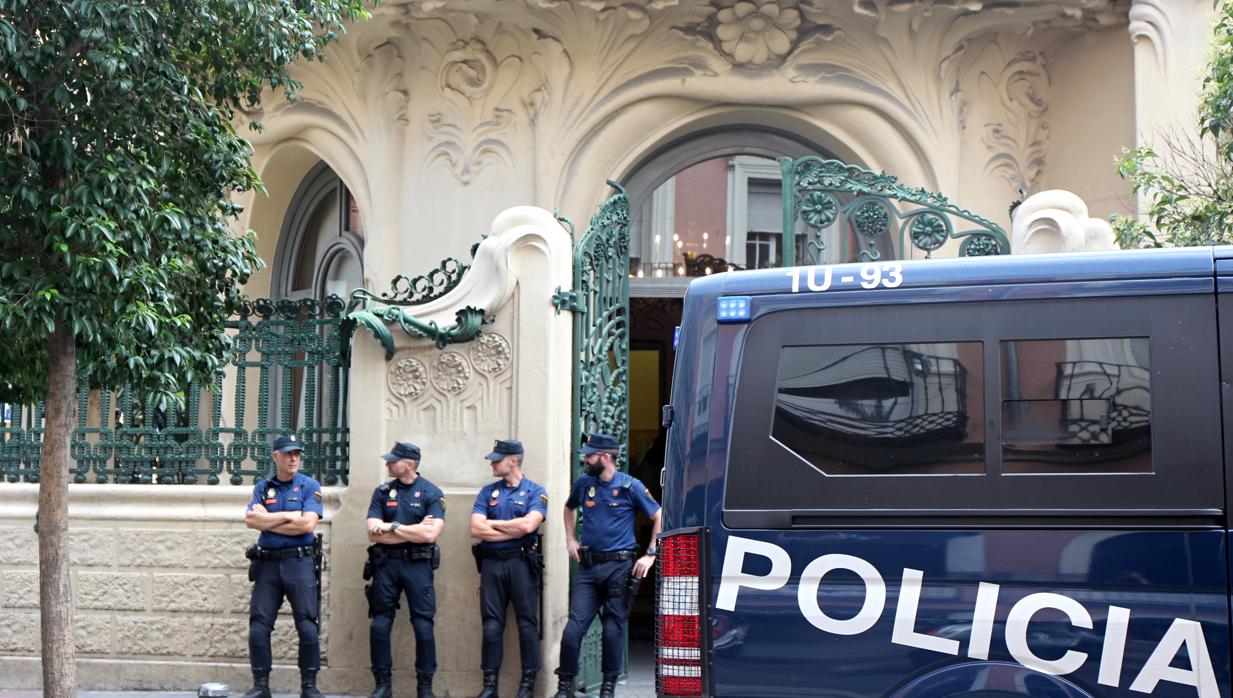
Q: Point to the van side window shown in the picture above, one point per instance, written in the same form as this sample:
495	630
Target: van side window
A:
1076	406
872	409
1083	410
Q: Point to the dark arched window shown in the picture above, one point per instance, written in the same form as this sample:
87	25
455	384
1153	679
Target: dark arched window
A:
321	245
320	253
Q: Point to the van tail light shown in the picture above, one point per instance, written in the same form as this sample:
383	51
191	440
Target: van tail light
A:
681	614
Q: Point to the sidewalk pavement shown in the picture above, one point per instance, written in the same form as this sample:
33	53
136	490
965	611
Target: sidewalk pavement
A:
640	684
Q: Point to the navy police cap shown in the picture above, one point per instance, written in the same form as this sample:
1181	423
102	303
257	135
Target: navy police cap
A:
599	442
505	447
403	450
287	443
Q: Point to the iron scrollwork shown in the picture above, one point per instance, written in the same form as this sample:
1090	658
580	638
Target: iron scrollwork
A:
378	312
873	210
601	323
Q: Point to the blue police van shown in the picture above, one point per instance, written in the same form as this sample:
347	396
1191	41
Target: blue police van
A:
984	478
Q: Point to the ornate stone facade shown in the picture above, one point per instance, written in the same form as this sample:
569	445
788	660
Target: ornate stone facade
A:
439	115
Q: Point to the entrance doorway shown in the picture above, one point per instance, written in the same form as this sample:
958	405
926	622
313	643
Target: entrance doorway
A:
653	323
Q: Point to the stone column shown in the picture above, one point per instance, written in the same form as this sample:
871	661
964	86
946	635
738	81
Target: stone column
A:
1170	55
513	381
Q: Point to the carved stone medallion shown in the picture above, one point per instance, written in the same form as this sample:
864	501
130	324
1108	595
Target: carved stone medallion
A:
451	372
491	353
407	377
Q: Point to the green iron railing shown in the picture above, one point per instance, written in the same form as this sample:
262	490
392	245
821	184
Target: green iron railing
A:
869	212
292	350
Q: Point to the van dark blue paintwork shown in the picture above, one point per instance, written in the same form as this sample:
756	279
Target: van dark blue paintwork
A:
1162	561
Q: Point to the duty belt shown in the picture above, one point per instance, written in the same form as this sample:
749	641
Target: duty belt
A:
615	555
419	552
508	554
284	553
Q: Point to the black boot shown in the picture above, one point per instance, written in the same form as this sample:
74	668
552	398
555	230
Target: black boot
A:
526	687
308	684
608	688
490	685
423	686
261	684
384	684
565	687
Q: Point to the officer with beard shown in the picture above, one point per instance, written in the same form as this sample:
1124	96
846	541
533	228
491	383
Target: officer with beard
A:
609	565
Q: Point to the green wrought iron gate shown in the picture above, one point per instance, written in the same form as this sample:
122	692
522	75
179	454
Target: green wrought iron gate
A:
863	214
600	301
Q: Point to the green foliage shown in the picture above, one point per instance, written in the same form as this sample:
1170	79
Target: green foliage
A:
1189	192
118	172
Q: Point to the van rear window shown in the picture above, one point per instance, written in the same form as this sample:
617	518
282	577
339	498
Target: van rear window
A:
1076	406
870	409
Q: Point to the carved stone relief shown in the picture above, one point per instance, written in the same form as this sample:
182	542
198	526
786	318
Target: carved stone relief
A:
451	372
473	69
407	377
751	33
1019	139
1149	22
443	390
491	353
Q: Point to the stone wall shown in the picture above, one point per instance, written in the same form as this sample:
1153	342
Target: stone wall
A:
159	575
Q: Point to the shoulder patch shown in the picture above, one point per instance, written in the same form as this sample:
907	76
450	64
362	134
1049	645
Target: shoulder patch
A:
543	499
317	495
442	500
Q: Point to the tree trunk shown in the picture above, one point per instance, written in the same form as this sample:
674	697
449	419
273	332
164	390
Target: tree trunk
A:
55	583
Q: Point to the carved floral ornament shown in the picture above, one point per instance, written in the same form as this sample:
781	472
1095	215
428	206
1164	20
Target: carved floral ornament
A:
491	353
468	68
451	371
408	377
755	33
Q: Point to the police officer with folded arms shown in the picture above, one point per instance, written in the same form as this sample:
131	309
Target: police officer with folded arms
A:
505	519
610	566
285	508
405	517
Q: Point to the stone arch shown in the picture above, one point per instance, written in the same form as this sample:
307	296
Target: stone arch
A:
296	138
861	133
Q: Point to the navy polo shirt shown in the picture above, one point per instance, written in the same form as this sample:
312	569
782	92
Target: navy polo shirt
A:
608	510
301	493
500	502
406	504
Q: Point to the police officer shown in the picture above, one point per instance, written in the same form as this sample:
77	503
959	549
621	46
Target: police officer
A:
286	509
405	517
610	567
506	519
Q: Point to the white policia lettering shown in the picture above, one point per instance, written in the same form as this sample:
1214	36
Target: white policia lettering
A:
1187	634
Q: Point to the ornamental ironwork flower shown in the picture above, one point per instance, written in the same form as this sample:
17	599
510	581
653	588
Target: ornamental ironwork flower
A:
819	210
755	33
871	219
980	245
929	232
